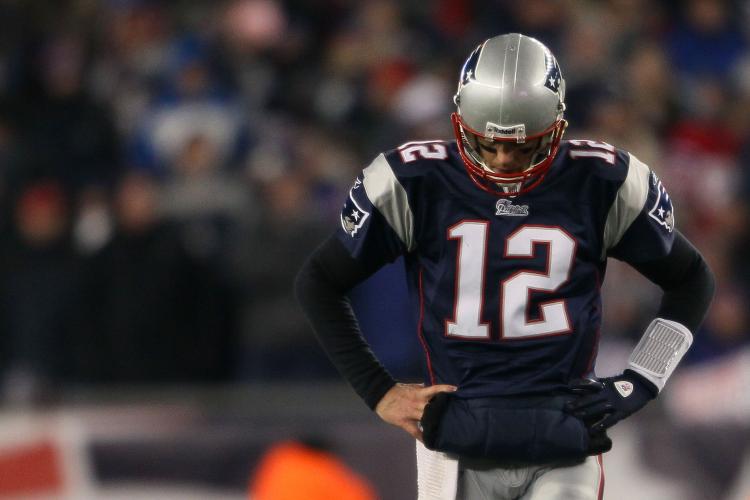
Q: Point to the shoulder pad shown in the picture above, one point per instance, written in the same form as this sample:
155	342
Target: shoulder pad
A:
601	158
385	192
419	154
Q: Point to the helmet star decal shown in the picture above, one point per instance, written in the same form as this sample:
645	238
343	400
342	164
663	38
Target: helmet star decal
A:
470	66
552	79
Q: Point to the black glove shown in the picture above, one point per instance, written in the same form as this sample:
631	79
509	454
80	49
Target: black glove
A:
604	402
599	442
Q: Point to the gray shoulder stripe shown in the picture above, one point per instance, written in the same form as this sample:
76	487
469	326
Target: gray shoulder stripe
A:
630	199
389	197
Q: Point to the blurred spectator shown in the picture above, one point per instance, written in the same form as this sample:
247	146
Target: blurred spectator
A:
652	97
194	101
587	56
420	107
39	292
129	62
154	314
65	134
276	341
543	19
611	120
706	40
254	25
209	205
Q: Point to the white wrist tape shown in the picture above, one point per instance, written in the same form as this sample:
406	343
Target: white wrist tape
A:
660	349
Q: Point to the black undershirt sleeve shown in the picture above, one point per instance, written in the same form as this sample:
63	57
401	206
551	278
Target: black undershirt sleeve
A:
321	287
687	282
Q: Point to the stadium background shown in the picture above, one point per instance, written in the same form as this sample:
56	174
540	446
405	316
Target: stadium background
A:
165	167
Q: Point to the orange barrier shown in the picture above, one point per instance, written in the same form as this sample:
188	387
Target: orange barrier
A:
292	471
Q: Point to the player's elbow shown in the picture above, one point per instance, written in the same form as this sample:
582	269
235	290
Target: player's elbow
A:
706	282
690	297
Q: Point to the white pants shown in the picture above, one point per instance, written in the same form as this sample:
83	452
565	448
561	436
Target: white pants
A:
444	477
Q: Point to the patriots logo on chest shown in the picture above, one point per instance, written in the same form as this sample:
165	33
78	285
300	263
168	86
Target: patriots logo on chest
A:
505	206
662	210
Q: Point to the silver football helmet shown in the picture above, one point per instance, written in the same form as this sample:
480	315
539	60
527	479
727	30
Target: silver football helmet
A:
510	90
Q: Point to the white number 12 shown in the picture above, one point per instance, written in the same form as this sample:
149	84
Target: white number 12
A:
515	290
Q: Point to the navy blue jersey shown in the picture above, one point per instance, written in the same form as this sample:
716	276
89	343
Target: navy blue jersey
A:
506	291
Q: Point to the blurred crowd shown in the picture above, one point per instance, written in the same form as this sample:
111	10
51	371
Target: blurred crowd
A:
165	167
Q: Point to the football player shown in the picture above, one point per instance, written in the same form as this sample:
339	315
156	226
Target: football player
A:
505	234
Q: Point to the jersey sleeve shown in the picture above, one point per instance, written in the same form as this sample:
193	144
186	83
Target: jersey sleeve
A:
641	222
377	223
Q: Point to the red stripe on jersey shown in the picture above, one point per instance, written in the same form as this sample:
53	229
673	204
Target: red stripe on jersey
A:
420	334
